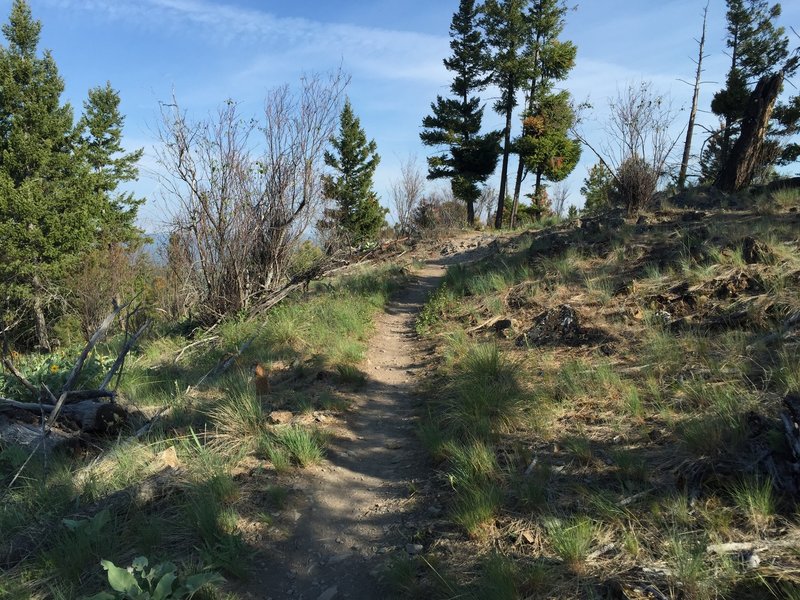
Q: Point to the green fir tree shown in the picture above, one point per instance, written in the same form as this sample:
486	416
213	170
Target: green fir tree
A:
757	47
455	123
57	180
358	216
597	188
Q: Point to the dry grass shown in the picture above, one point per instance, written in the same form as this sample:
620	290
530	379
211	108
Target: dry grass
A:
647	430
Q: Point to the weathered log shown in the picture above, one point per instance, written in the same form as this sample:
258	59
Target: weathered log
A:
90	416
739	169
30	437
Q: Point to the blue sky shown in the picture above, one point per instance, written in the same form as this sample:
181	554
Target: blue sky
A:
207	51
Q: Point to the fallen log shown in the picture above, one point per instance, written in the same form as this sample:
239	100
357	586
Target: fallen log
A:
30	437
90	416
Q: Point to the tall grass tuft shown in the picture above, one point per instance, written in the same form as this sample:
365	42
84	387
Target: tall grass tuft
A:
572	540
485	394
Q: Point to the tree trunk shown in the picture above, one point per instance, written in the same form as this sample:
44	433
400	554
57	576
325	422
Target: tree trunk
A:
498	219
90	416
738	170
470	212
517	189
40	323
687	148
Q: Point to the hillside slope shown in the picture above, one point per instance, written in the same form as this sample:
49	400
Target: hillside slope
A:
606	414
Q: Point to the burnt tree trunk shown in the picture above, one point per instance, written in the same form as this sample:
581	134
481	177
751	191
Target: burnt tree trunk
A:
739	168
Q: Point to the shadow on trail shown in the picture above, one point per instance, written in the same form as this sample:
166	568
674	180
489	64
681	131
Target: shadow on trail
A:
349	516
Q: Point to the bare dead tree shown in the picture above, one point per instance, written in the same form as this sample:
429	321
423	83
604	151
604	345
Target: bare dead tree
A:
247	190
687	146
639	143
485	203
559	195
407	192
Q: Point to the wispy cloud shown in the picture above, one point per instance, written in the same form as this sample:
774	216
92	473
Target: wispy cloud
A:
377	52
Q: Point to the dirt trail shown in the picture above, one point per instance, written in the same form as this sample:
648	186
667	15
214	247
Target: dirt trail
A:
347	515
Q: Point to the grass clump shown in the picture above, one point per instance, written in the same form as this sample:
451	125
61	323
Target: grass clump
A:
485	393
301	445
756	500
572	540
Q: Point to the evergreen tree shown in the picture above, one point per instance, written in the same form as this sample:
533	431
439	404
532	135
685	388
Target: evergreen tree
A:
100	146
757	47
456	122
549	116
54	203
507	32
597	188
358	214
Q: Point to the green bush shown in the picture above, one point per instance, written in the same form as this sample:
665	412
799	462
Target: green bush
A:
160	582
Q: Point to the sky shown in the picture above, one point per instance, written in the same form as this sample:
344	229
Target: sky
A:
205	52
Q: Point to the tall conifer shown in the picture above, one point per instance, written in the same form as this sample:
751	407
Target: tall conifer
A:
455	123
358	215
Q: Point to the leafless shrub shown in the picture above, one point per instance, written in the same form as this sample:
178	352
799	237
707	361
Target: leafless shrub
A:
106	275
247	190
407	193
437	213
485	203
559	198
640	139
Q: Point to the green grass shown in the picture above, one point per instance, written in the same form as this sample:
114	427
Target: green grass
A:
756	499
572	540
484	394
475	507
303	446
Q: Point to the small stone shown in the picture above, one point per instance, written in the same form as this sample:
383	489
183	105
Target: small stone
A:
329	594
753	561
527	537
413	549
280	417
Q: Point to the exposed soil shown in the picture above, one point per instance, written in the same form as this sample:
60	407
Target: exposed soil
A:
347	516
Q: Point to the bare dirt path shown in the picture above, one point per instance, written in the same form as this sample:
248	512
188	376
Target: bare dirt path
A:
348	515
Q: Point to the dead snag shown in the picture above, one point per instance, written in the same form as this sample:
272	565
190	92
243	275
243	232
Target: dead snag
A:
738	171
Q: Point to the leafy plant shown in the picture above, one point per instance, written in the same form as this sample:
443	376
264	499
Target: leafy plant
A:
161	582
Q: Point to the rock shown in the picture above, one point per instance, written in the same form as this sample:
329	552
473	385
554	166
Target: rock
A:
339	558
502	325
413	549
527	537
692	215
754	251
280	417
329	594
553	326
168	458
753	561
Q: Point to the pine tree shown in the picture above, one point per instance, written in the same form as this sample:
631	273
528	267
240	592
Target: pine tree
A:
455	123
549	60
597	188
358	215
100	146
757	47
507	31
53	206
